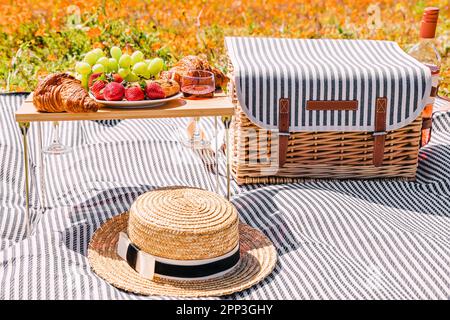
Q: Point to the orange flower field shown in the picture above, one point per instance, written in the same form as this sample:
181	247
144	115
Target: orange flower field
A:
38	37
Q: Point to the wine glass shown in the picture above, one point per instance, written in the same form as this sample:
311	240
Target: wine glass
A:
56	147
197	84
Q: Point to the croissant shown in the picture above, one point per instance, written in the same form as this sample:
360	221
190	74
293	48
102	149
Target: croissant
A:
190	63
60	92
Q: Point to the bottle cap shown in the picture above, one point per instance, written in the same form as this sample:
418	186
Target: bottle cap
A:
429	22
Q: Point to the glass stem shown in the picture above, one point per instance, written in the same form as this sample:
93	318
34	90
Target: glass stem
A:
56	132
196	136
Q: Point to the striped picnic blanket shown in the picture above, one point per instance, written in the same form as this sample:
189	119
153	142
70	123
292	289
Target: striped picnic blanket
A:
267	69
335	239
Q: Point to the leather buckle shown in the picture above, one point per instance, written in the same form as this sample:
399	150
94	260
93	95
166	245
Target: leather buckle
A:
379	134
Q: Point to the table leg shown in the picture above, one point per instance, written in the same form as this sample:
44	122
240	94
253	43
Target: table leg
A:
226	121
24	126
43	194
216	153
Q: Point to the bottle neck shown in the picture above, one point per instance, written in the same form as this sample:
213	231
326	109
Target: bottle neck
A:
428	34
429	23
427	40
426	52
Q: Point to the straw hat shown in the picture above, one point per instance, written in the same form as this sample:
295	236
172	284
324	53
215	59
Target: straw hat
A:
181	241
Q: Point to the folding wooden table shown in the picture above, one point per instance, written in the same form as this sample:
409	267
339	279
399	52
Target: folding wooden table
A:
219	106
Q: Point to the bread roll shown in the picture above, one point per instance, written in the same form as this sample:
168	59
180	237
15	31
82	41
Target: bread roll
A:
170	87
190	63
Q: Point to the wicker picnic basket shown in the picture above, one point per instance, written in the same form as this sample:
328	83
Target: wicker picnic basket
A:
281	152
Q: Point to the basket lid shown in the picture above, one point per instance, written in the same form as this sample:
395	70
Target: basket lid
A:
308	71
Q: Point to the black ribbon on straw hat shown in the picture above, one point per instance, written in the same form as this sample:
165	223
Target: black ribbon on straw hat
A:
148	265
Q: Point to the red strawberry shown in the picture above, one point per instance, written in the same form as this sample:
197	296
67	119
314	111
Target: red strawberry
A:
154	91
92	78
114	91
97	89
117	78
134	94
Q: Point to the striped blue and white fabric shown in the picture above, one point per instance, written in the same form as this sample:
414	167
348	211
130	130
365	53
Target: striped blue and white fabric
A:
267	69
335	239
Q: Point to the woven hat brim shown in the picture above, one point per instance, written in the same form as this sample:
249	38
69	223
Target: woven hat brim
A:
258	259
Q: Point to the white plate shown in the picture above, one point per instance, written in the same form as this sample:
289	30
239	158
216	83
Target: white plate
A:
136	104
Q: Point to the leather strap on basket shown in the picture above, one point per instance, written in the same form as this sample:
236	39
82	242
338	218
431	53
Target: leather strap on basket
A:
283	130
379	136
322	105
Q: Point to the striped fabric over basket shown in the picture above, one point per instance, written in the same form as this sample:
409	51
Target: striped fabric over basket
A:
267	69
335	239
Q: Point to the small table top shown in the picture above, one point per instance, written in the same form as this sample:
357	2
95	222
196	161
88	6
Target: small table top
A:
220	105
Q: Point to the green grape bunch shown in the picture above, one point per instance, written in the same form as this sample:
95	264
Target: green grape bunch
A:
131	68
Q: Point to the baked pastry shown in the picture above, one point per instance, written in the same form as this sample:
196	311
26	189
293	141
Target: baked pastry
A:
169	86
60	92
190	63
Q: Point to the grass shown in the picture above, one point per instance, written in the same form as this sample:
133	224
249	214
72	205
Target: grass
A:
37	38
